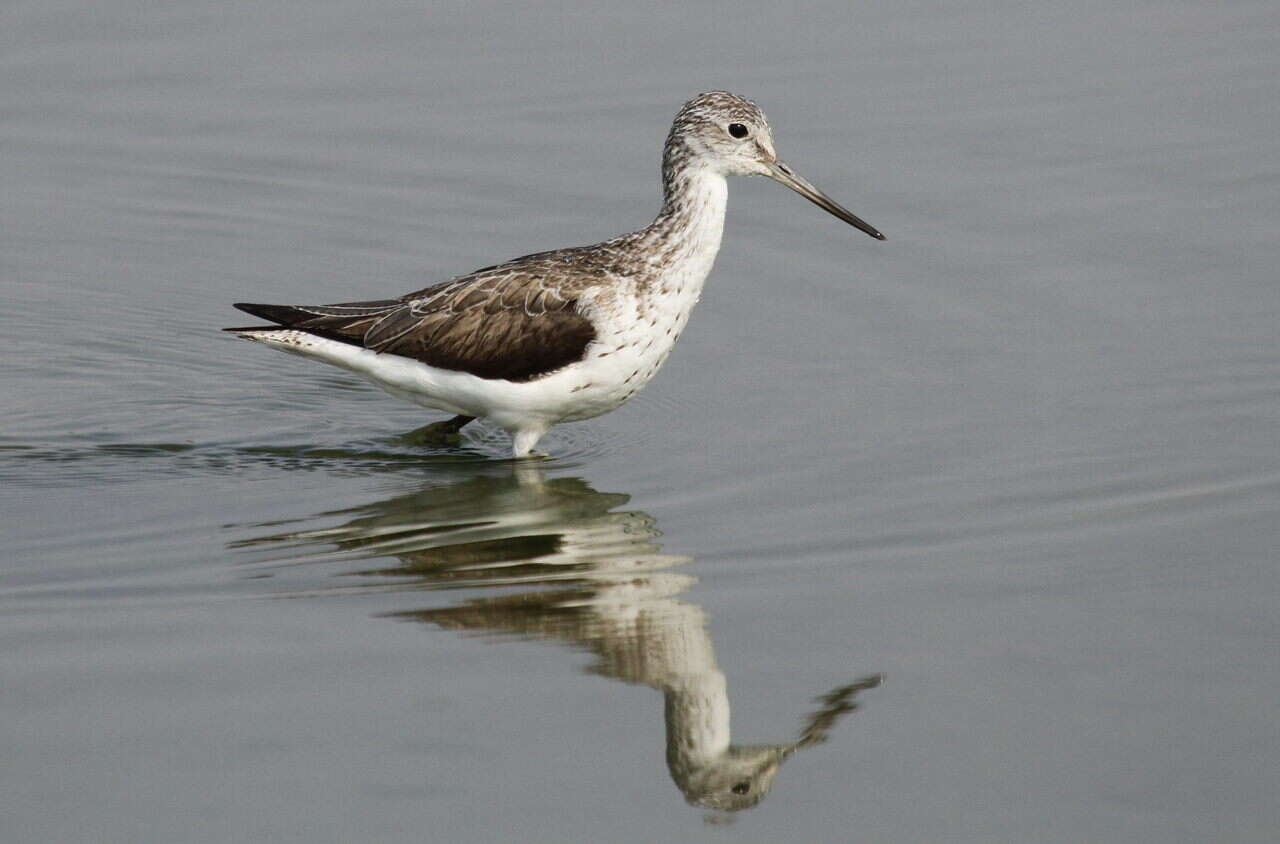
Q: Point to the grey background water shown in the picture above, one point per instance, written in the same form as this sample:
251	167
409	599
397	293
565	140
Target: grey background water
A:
1021	458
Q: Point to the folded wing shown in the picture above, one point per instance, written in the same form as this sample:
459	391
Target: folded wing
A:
501	324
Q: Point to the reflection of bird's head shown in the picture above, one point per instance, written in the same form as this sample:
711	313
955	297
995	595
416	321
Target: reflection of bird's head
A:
737	780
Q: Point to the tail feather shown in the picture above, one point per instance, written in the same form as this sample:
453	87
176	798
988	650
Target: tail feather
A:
285	315
345	322
249	329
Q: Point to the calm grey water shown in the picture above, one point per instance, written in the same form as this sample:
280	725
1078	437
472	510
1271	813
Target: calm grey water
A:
1022	459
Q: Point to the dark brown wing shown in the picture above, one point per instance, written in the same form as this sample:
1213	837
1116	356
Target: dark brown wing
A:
506	322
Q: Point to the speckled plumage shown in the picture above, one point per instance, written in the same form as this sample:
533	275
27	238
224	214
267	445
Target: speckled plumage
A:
562	335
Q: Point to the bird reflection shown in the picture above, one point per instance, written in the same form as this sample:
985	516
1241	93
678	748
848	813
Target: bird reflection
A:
577	570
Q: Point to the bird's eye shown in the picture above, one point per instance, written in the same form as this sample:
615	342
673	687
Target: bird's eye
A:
742	787
738	130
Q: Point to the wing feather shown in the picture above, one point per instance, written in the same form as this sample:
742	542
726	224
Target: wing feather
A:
510	321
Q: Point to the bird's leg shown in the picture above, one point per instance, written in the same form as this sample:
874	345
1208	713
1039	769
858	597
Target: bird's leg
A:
454	425
524	439
438	433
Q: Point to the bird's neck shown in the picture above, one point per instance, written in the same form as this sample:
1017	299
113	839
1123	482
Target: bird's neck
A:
688	229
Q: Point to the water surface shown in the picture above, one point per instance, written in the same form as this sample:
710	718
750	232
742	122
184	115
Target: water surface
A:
965	536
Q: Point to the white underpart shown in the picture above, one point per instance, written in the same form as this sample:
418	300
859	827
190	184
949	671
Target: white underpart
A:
637	323
637	327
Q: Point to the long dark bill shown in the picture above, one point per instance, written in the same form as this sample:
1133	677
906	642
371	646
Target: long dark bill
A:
780	172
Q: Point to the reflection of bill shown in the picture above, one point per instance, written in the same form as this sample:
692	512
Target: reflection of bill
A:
601	583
